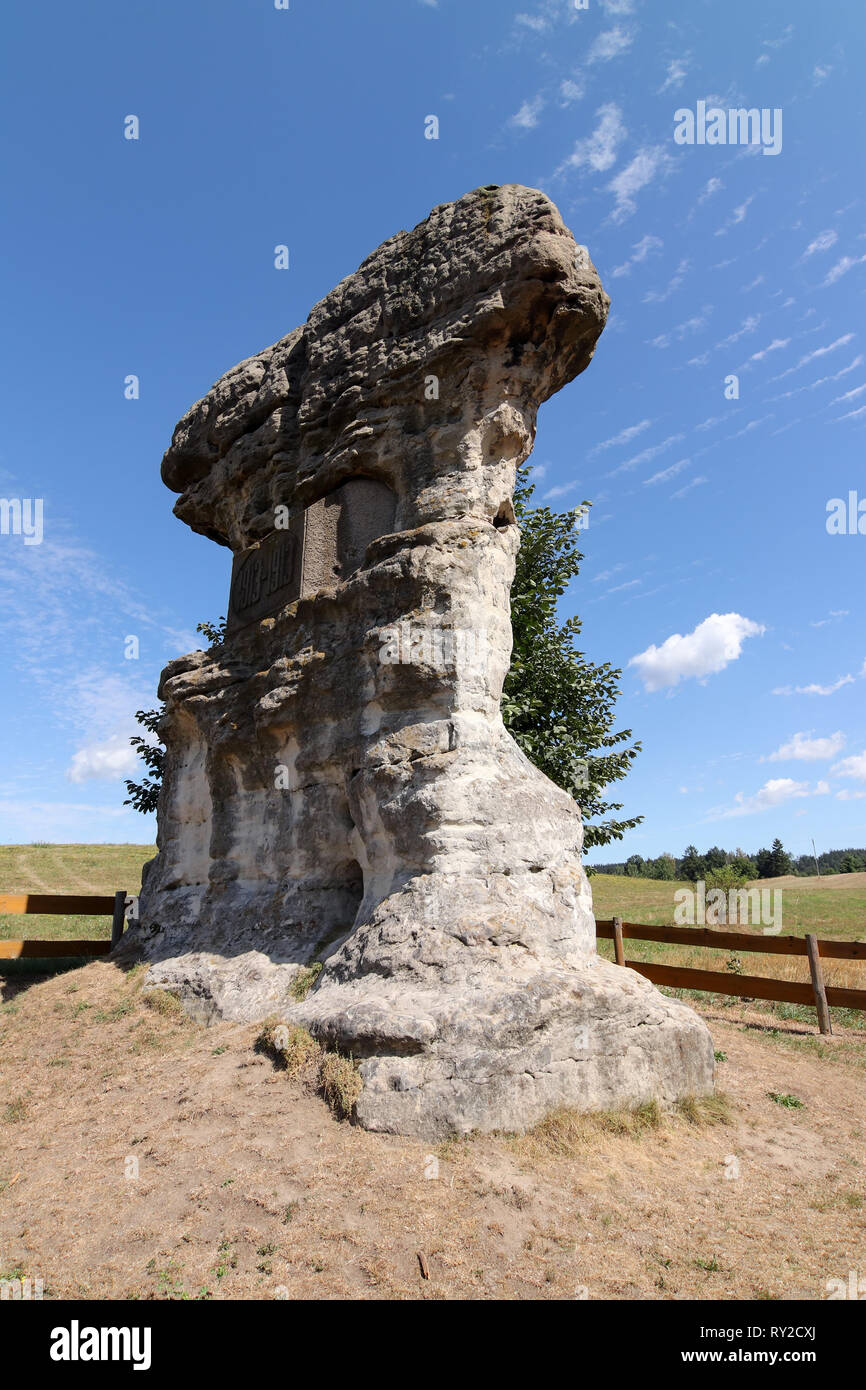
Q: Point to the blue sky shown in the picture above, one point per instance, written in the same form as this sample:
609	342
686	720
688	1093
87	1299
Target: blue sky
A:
710	576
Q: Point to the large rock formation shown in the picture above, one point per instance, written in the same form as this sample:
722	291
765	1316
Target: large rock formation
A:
339	786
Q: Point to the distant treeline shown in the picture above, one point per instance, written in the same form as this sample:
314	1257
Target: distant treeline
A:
766	863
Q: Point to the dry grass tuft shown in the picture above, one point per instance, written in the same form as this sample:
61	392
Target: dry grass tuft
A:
705	1110
565	1133
341	1083
291	1047
164	1003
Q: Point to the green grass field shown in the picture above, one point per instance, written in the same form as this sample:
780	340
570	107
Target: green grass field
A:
67	869
833	906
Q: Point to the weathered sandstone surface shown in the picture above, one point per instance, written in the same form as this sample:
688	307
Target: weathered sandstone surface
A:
339	786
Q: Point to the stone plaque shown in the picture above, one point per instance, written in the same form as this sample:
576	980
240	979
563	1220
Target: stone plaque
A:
266	576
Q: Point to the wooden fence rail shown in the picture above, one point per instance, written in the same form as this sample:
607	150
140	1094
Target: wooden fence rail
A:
53	955
815	993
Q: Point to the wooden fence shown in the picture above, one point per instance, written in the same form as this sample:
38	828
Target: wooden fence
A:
37	956
54	955
820	996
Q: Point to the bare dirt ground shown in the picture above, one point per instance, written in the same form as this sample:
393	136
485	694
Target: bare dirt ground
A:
145	1156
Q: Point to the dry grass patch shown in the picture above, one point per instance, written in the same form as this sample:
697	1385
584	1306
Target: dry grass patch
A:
163	1002
292	1048
566	1133
296	1052
341	1083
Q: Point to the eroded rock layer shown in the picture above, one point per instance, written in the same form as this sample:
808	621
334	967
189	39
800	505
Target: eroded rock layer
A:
339	786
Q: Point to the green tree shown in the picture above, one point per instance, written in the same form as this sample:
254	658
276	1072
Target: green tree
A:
665	867
715	858
780	860
693	865
635	866
144	795
557	705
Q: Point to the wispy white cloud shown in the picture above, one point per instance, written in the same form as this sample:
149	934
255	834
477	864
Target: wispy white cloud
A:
759	356
527	117
630	584
667	473
849	395
676	74
660	296
695	482
570	90
640	251
610	43
648	165
841	268
822	381
646	455
624	437
713	185
815	688
599	150
747	326
811	356
737	216
683	330
822	242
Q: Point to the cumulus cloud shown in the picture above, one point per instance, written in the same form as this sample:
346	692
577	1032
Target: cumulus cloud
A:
105	761
803	748
772	794
854	766
710	647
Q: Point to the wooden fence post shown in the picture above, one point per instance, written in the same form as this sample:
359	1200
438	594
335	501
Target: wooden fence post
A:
818	983
119	920
617	941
